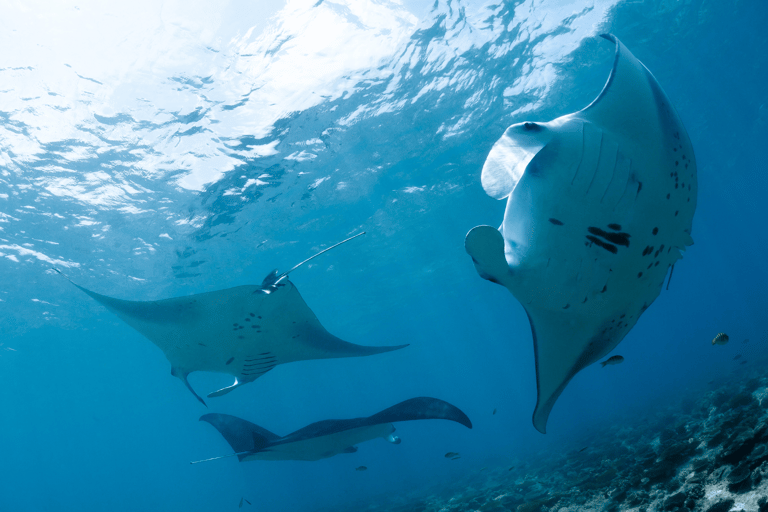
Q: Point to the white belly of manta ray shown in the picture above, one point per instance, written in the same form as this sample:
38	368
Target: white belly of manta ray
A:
322	447
600	205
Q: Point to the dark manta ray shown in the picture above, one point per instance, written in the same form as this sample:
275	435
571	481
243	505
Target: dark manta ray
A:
599	206
326	438
243	331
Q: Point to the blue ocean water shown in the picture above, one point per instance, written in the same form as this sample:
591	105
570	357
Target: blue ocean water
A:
152	151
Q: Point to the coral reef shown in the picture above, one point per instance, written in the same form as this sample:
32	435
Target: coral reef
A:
708	454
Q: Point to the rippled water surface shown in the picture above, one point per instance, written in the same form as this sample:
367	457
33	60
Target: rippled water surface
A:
151	150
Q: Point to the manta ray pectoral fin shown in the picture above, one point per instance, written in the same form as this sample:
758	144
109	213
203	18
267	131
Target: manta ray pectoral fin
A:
563	345
224	391
420	408
243	436
486	247
183	376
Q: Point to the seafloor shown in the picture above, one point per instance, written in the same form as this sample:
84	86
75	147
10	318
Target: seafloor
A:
708	453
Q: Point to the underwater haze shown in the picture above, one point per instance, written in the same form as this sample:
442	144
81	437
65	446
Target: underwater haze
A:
153	150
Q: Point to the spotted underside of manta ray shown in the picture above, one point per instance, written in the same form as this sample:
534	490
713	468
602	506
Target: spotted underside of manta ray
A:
244	331
327	438
599	205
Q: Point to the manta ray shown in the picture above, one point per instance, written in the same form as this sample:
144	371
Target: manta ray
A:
244	331
600	204
326	438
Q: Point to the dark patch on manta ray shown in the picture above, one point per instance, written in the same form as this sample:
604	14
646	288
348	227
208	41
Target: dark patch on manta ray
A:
608	247
614	238
555	222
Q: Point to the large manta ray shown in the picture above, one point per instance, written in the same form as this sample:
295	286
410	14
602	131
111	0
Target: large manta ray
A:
599	206
243	331
326	438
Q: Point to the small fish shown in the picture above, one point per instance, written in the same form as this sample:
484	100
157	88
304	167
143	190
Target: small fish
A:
582	449
456	457
494	411
482	469
612	360
360	468
744	362
746	340
720	339
450	455
241	502
737	356
511	468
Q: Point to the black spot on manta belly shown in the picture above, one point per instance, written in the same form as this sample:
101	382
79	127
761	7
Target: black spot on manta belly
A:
608	247
614	238
555	222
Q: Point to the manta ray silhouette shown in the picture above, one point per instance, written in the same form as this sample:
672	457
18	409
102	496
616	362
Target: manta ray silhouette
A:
326	438
600	204
243	331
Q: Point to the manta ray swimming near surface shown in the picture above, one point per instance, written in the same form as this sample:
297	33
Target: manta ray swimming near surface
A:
600	204
326	438
243	331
